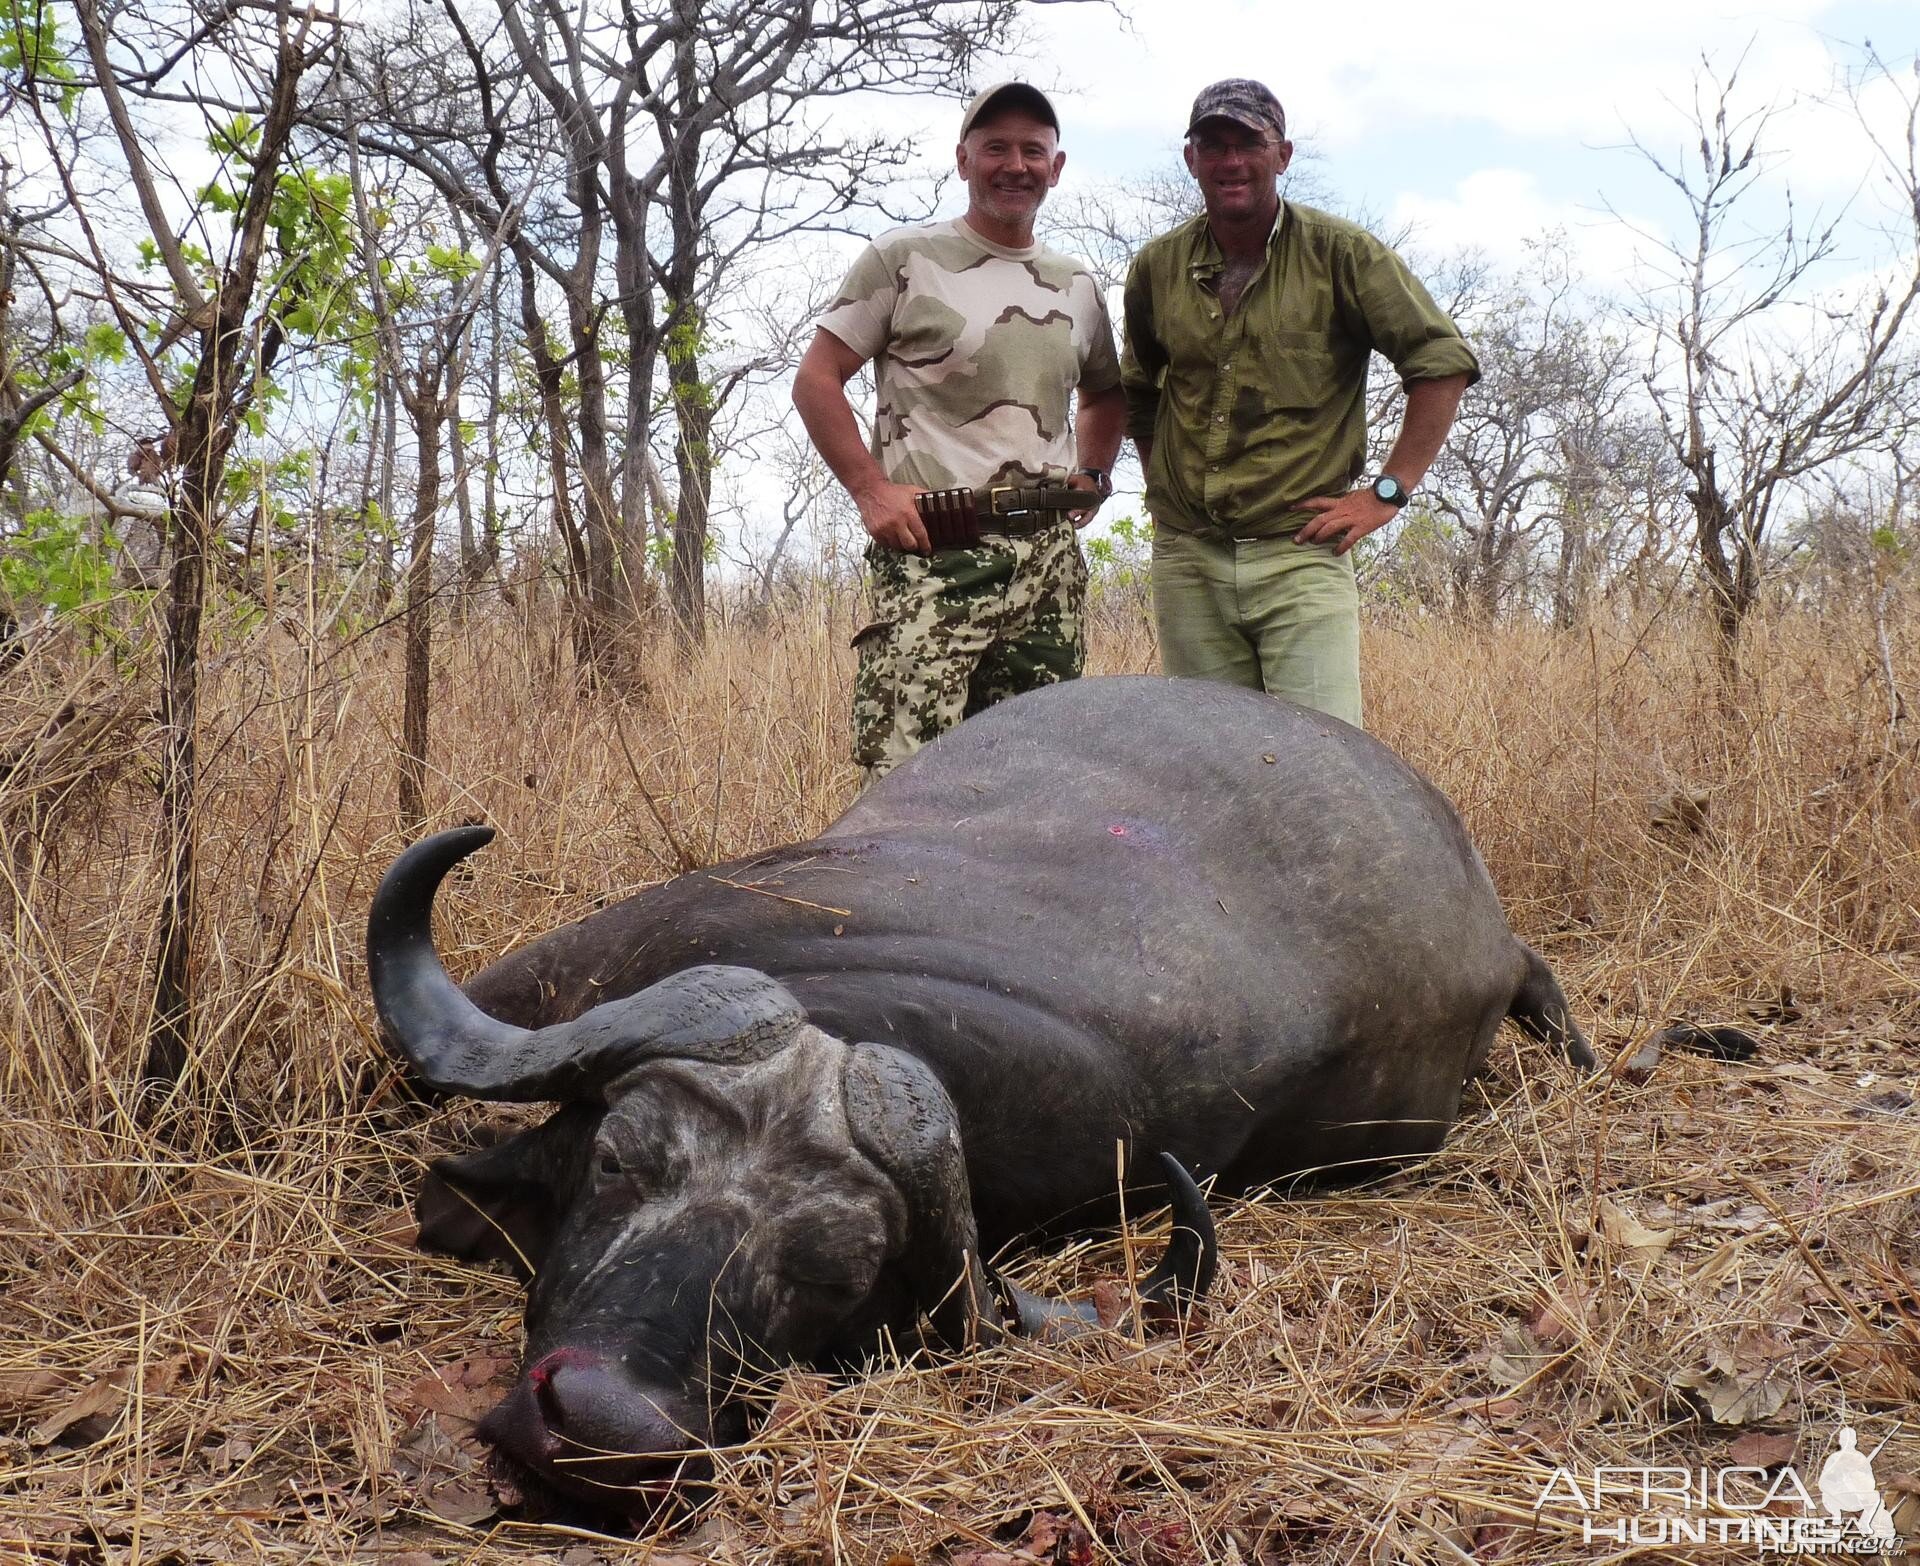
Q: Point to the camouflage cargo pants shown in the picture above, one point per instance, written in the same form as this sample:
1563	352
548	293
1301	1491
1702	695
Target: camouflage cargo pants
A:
953	633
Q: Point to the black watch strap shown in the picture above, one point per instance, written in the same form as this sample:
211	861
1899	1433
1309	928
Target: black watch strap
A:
1388	488
1100	477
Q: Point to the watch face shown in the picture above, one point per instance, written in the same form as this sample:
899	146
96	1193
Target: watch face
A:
1389	490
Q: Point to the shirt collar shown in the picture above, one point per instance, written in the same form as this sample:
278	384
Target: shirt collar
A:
1207	261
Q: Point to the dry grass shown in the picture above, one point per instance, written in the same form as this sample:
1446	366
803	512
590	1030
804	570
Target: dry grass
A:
222	1347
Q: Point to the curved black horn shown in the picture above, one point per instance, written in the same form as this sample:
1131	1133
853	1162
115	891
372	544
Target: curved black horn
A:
423	1011
1186	1272
709	1012
1184	1275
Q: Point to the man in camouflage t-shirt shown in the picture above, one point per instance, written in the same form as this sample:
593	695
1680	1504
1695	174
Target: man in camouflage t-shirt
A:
981	341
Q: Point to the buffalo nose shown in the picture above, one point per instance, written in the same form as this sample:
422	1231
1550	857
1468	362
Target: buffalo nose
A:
588	1427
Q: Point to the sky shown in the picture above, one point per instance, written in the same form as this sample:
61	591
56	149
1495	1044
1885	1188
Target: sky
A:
1484	122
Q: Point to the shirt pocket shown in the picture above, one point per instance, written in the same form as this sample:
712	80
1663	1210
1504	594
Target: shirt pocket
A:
1298	370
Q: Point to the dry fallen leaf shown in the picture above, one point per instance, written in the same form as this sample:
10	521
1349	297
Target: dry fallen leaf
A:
1758	1449
23	1391
1735	1396
1559	1319
1619	1227
86	1416
457	1502
1716	1269
1154	1540
1518	1358
463	1390
228	1455
1050	1539
1111	1300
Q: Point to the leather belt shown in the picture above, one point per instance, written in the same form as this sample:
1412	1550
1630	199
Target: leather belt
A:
955	518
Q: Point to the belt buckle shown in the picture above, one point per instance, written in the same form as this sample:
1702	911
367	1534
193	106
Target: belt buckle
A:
994	507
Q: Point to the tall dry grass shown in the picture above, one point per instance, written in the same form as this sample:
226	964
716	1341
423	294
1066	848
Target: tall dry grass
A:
219	1345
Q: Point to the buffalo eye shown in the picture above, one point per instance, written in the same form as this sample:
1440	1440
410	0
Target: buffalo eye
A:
848	1269
609	1165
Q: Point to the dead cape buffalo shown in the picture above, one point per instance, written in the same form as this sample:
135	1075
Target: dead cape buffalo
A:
803	1094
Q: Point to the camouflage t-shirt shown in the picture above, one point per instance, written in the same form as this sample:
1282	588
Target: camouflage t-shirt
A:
978	351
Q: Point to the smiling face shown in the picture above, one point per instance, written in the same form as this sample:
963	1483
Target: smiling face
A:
1010	159
1238	169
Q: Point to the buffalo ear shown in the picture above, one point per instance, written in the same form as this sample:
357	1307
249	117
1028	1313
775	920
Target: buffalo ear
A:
503	1202
903	1120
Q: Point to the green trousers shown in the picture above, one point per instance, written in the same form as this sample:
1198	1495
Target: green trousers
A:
1261	612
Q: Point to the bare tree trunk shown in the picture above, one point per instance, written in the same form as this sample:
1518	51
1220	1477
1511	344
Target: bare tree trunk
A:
1569	571
610	649
693	463
204	436
389	445
627	204
548	377
1483	593
489	485
428	410
170	1039
1732	583
472	563
692	399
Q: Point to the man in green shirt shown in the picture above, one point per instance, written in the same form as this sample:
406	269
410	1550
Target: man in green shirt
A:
1248	332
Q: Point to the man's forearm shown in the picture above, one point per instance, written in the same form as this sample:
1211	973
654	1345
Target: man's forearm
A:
1099	425
1431	406
1343	520
823	407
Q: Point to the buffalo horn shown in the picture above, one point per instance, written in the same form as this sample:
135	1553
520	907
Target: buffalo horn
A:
1184	1275
1186	1272
708	1013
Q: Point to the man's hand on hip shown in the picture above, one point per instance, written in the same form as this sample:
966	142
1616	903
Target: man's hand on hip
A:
1343	520
891	519
1087	482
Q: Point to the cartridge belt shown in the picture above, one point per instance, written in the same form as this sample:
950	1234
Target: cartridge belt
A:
955	518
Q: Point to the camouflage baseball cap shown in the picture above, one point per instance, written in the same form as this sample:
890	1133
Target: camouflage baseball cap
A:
1012	95
1244	102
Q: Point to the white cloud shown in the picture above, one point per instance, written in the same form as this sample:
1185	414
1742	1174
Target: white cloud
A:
1582	72
1499	211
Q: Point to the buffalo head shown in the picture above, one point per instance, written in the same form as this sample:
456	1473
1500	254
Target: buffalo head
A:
724	1188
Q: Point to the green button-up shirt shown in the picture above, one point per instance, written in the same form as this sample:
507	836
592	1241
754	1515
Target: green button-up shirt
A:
1251	413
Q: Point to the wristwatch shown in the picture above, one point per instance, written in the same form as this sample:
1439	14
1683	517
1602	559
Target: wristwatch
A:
1388	488
1101	478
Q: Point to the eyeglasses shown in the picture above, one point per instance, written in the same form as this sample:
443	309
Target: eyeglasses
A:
1212	149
